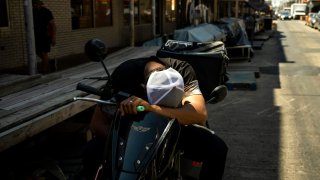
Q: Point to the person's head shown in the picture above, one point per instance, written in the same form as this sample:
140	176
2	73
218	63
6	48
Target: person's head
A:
153	65
37	3
164	85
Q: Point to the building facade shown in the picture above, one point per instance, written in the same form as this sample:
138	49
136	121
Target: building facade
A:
78	21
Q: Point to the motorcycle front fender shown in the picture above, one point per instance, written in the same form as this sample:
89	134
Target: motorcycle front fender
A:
138	145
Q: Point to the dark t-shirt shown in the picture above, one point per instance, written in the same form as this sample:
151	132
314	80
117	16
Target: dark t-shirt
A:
42	31
130	75
41	19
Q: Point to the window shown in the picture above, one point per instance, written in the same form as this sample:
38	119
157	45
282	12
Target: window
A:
103	15
170	10
91	13
142	11
145	11
126	11
3	14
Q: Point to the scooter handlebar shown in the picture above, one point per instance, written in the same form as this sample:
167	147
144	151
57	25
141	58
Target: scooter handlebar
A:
95	91
140	108
88	89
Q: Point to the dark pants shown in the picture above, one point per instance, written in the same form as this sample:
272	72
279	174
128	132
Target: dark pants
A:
43	45
198	143
92	157
250	33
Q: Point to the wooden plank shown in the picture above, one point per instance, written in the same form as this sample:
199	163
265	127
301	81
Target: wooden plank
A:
239	52
261	37
33	95
40	106
247	68
241	80
62	76
21	85
44	91
37	95
6	79
49	89
257	44
38	124
95	69
35	109
95	65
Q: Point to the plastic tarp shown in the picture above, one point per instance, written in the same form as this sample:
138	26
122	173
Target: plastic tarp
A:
236	31
200	33
259	5
153	42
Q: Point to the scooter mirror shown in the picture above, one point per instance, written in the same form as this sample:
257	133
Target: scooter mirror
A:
96	50
218	94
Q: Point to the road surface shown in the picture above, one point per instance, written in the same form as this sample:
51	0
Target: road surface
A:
274	132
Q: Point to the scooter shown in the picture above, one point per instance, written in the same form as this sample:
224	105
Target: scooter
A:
142	146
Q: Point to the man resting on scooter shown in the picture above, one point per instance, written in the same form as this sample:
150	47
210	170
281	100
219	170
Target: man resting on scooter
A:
198	142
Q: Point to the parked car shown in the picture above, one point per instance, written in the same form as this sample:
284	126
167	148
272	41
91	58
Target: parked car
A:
285	15
310	20
316	24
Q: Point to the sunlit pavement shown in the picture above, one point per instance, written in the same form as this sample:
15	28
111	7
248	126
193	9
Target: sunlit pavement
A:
273	132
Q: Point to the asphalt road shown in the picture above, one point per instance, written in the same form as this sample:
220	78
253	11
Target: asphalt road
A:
274	132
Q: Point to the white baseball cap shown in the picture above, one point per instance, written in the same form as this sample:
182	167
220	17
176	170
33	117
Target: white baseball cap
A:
165	88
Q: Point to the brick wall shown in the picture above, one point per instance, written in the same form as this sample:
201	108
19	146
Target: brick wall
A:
12	39
13	51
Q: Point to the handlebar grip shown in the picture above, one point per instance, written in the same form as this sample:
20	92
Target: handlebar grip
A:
140	108
88	89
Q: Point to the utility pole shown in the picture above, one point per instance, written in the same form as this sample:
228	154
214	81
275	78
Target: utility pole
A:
215	10
132	23
310	6
31	55
154	18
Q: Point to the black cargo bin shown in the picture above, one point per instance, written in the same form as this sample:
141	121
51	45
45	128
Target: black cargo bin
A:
209	61
268	23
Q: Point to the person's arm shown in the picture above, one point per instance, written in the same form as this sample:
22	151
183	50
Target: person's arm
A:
193	110
52	31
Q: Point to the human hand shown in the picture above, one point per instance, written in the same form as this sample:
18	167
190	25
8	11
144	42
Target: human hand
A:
129	105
